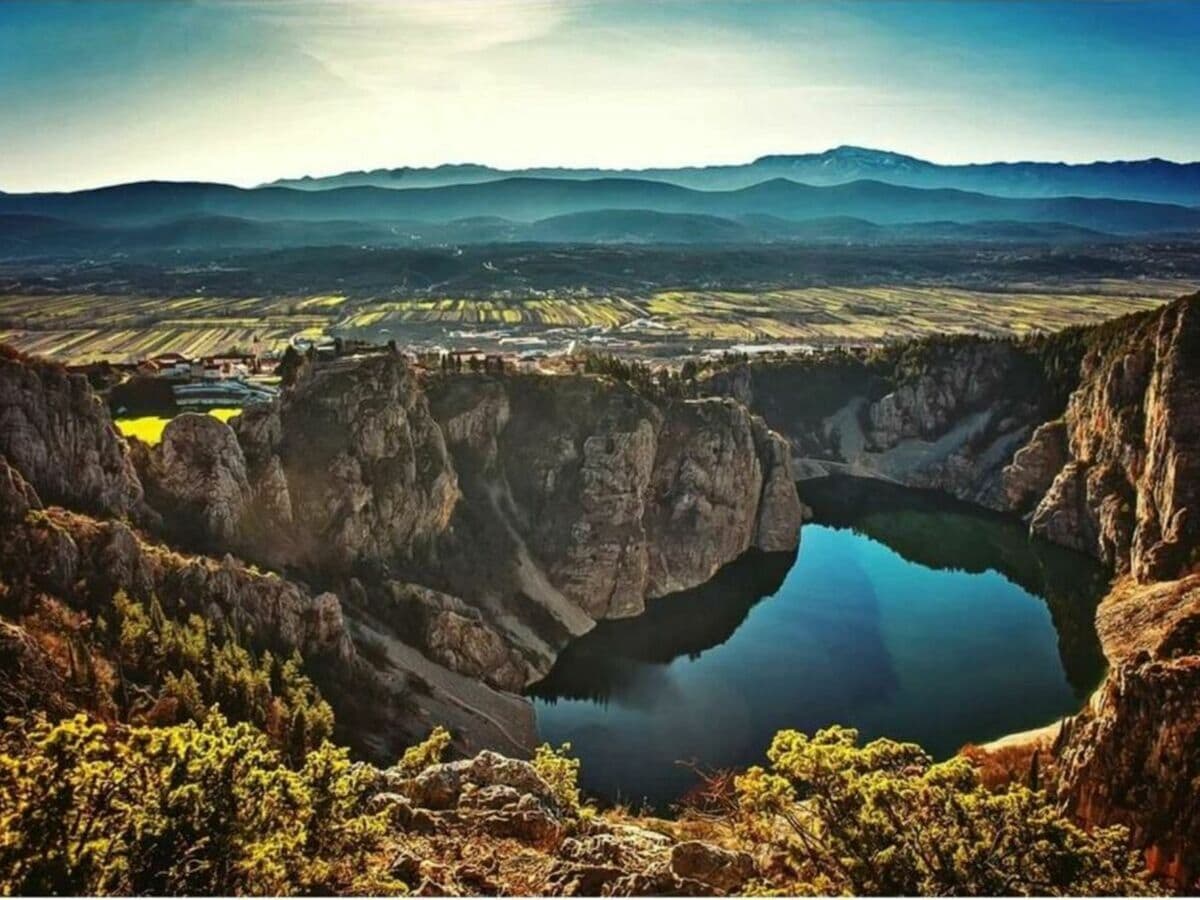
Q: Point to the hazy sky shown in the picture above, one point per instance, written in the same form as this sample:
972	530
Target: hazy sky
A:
101	92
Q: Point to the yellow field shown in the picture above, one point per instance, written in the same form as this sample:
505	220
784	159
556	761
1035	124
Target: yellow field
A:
565	312
132	344
149	429
795	314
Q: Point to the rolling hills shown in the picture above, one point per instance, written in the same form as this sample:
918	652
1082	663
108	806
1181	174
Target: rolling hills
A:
1156	180
608	210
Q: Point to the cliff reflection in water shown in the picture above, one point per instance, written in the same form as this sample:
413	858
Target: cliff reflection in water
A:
938	532
902	615
618	655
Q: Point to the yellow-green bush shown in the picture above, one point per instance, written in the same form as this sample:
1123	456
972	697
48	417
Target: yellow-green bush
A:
561	771
192	809
885	819
193	665
429	752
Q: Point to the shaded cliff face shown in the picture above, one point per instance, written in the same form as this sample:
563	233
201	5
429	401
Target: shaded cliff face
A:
1092	434
945	414
489	519
59	435
348	470
604	497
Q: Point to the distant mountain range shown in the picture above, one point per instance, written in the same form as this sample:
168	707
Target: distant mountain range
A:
34	236
717	205
529	200
1155	180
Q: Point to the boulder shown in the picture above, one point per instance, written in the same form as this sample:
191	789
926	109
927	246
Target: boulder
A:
196	478
440	786
724	870
1035	466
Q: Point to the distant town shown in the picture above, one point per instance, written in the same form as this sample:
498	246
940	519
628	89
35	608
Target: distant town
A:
175	382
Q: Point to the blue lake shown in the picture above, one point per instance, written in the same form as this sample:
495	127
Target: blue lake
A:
901	615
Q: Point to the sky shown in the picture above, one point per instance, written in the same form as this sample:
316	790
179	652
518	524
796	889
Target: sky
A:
248	91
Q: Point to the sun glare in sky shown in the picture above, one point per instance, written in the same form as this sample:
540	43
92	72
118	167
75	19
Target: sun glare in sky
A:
245	92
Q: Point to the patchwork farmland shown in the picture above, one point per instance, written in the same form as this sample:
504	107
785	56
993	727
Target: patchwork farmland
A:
79	327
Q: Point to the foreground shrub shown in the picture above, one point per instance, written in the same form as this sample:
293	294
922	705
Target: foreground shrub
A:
429	752
195	809
190	666
885	819
561	771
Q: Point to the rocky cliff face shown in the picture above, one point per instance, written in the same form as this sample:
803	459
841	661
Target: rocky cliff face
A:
1132	756
348	470
1129	492
440	539
944	414
610	497
196	477
1090	434
58	434
508	513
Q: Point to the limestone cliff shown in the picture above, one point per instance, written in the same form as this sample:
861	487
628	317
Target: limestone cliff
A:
1129	492
1091	433
437	540
1132	756
196	477
485	520
944	413
58	434
348	470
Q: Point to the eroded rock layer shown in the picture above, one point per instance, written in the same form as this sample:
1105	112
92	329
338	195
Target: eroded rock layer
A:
1130	492
58	435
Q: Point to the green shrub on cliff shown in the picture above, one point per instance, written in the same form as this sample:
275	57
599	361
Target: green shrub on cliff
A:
214	808
189	809
189	666
885	819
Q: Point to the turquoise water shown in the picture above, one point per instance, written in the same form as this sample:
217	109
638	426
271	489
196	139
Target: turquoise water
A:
916	645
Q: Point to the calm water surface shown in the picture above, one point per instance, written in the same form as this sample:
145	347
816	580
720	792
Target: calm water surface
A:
901	615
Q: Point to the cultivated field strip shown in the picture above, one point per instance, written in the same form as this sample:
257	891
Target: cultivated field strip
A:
84	327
